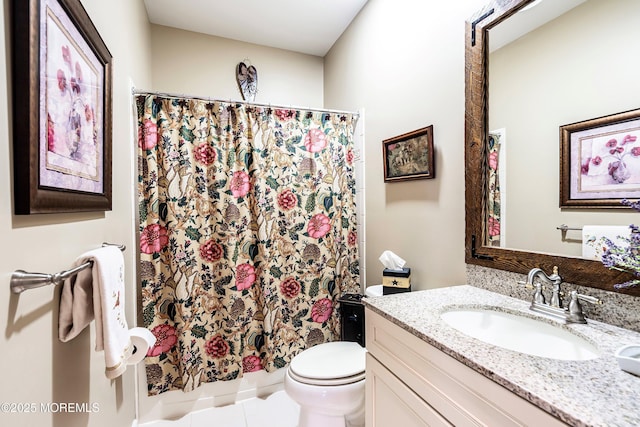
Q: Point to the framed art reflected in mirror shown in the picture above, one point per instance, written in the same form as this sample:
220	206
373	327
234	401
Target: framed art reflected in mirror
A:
600	161
61	109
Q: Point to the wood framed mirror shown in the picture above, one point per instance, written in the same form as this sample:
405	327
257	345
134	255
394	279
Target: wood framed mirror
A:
573	269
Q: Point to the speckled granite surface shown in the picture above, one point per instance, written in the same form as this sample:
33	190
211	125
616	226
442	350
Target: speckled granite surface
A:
580	393
616	309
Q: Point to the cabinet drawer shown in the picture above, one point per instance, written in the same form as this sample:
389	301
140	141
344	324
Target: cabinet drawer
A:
393	404
463	396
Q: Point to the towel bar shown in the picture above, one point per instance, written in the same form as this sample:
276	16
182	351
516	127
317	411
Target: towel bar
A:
22	281
565	227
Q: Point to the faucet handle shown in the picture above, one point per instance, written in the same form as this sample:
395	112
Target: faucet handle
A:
538	296
529	285
575	308
587	298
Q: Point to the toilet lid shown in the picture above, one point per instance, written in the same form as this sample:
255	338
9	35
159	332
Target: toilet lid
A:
334	363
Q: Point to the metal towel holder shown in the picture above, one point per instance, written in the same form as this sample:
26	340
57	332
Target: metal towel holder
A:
565	227
22	281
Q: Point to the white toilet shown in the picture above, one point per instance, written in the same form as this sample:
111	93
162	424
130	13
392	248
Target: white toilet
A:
327	380
374	291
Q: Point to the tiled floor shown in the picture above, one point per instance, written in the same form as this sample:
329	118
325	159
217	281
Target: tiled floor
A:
277	410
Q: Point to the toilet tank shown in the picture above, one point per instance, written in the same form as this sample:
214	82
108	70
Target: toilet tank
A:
352	318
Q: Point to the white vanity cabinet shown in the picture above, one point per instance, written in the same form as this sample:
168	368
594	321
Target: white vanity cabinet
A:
412	383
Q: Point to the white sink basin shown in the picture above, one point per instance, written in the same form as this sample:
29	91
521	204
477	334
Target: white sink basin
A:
520	333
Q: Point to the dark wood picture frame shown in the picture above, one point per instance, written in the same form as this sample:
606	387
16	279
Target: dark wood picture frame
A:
597	159
409	156
62	109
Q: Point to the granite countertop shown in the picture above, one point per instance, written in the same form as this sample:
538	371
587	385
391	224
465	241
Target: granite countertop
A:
581	393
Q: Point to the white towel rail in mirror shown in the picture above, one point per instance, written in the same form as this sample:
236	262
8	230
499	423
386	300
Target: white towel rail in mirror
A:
21	280
565	227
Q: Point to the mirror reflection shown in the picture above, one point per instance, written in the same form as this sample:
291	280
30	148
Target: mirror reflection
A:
576	62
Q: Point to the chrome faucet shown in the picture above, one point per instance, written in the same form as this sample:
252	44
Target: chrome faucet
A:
554	279
572	314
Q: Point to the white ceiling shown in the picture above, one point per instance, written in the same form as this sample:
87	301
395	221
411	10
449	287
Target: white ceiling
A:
306	26
528	19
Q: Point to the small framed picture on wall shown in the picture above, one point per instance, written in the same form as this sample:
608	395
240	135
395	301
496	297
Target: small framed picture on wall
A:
409	156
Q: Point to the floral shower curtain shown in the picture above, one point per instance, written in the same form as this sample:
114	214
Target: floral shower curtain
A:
493	183
247	235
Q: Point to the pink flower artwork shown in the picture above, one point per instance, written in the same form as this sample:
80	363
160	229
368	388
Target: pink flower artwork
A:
62	80
153	238
610	161
78	69
88	113
245	276
51	134
321	310
66	55
165	339
319	225
74	140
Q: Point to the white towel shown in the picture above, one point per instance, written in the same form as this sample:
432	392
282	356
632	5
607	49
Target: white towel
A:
593	245
98	292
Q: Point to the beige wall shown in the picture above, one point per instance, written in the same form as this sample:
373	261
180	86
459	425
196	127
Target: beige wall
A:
196	64
35	366
403	62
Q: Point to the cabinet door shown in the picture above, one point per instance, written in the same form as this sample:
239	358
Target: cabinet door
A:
463	396
390	403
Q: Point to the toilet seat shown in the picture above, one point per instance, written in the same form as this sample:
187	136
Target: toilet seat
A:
329	364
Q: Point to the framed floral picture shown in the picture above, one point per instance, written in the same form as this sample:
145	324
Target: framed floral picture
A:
600	161
61	109
409	156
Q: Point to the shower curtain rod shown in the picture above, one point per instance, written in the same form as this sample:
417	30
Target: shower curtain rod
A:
258	104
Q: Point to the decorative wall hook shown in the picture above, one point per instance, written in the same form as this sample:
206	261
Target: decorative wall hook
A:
247	77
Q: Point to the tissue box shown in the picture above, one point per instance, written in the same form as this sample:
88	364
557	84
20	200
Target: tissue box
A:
395	281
